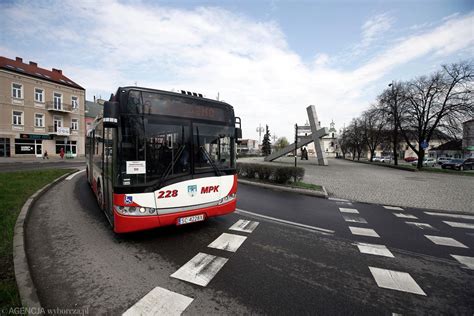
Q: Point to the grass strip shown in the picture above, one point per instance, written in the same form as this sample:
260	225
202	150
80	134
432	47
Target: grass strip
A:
307	186
15	189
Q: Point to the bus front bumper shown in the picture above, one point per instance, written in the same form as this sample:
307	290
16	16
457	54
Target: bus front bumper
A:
127	224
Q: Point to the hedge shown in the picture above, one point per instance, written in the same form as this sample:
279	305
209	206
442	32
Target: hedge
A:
278	174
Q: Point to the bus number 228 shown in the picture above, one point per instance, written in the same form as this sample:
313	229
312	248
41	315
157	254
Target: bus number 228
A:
167	194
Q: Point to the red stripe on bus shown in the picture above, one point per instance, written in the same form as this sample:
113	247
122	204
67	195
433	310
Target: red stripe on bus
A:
126	224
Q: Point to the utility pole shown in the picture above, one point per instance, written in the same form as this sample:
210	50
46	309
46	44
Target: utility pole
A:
394	107
296	146
260	131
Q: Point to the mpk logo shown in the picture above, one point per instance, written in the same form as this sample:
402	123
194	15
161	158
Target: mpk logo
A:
209	189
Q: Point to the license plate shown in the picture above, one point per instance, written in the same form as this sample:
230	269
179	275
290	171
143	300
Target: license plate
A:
190	219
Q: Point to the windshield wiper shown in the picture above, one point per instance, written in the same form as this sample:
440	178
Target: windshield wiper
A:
169	168
211	161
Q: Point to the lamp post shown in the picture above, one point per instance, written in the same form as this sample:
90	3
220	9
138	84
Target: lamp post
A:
260	131
394	108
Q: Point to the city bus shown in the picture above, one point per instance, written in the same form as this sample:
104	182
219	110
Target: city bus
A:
158	158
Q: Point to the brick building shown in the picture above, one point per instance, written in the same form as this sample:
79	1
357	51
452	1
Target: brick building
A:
40	110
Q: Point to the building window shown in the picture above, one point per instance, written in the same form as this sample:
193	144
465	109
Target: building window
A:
57	122
58	98
67	146
17	90
17	118
39	95
39	120
74	124
74	102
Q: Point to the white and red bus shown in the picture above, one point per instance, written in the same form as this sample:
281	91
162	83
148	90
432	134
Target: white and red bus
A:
160	158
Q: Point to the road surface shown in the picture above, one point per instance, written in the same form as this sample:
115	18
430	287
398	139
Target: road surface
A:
300	255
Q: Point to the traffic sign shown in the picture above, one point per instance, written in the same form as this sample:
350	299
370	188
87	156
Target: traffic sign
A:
424	144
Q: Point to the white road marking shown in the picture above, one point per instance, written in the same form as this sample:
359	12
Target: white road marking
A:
74	174
245	226
467	261
395	280
450	215
228	242
348	210
160	301
393	208
401	215
363	231
373	249
343	203
354	219
201	269
307	227
337	199
459	225
445	241
421	225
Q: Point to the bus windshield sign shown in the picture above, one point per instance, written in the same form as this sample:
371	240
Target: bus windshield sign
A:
161	104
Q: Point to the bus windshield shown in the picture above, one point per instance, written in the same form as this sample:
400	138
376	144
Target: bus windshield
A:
170	147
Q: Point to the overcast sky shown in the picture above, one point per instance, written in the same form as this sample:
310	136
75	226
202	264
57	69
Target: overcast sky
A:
269	59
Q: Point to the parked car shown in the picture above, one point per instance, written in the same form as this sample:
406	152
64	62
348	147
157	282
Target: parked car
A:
386	159
410	159
376	159
442	160
427	162
459	164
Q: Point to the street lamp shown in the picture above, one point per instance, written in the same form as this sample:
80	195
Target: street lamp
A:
260	131
394	111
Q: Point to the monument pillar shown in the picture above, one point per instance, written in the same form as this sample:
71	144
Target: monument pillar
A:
317	133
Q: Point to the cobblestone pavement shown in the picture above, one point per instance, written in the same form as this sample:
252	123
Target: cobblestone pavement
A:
374	184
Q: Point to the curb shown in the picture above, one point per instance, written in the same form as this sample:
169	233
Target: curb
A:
323	194
26	287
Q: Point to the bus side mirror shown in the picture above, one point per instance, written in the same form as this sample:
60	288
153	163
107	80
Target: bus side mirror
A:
238	133
238	128
110	113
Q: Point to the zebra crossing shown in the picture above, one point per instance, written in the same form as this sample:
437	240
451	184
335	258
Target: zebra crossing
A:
402	280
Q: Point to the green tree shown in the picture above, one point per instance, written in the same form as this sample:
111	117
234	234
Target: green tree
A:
281	143
266	144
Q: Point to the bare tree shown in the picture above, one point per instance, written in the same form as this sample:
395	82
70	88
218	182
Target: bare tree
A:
373	121
343	142
355	138
390	103
438	102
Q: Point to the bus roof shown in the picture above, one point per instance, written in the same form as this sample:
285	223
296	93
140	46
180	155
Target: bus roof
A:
121	90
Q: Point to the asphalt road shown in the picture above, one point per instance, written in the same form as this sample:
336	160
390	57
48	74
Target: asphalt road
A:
309	264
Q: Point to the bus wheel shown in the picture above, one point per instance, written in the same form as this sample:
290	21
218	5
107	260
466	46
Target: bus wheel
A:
100	196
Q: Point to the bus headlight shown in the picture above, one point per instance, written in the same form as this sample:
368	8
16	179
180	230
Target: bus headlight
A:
135	211
227	198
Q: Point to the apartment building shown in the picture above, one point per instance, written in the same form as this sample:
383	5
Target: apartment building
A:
40	110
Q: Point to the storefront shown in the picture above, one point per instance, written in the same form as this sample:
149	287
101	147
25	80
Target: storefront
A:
69	146
30	144
4	147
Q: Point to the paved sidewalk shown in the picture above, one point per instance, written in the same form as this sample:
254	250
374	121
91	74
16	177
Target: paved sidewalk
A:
374	184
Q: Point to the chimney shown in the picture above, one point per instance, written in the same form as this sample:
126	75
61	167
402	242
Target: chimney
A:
58	71
32	63
19	59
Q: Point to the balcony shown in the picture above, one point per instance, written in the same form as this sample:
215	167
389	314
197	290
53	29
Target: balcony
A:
61	107
59	131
